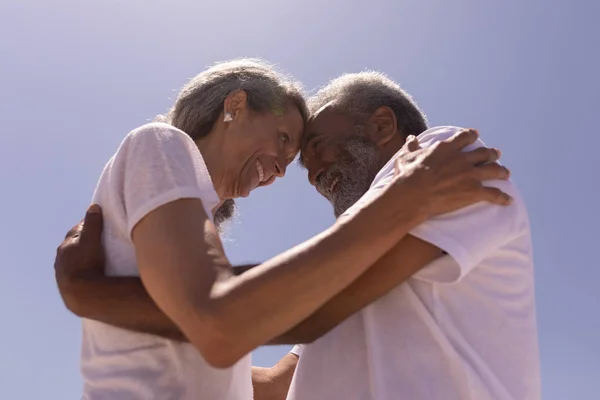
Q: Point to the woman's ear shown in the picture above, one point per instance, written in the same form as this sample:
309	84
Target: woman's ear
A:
235	103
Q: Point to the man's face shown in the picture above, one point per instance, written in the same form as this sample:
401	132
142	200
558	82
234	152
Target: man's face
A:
341	159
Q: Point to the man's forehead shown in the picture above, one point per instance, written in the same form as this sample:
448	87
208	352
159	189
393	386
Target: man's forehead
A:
327	120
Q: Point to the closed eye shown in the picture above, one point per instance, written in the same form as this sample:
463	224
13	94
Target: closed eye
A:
315	144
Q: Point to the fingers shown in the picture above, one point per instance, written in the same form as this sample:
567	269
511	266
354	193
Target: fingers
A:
74	231
412	143
463	138
495	196
92	223
482	155
488	172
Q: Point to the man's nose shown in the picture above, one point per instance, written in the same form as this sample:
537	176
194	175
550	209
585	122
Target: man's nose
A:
314	171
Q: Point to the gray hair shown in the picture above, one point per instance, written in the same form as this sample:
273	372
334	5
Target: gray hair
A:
360	94
200	101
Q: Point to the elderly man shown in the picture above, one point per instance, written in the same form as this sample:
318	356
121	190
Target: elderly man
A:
449	313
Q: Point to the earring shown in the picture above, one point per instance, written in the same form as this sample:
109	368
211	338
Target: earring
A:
228	117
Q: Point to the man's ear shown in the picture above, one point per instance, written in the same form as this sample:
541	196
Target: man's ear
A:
382	126
235	102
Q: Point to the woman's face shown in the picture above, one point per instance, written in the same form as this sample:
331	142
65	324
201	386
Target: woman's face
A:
259	147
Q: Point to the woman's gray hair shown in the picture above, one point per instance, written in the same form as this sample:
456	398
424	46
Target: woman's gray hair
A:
200	101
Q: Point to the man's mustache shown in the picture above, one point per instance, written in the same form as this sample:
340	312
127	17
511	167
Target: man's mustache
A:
327	179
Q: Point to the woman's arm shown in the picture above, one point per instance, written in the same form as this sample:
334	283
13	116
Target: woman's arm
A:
184	269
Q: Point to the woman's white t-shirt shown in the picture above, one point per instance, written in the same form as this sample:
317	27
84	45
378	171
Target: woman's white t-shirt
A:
154	165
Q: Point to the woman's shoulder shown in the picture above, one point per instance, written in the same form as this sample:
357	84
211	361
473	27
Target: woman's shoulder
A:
158	130
159	137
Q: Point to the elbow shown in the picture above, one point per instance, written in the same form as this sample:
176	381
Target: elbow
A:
219	350
68	291
220	359
220	345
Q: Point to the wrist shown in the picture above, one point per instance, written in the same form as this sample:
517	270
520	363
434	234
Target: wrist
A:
400	205
74	286
72	282
413	200
384	221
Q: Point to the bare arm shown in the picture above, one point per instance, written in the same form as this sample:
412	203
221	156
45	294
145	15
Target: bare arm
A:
184	269
406	258
225	272
119	301
125	303
273	383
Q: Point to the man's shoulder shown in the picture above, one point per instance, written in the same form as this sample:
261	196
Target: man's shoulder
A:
426	139
436	134
442	130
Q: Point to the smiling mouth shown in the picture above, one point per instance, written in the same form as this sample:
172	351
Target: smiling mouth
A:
260	171
333	185
327	191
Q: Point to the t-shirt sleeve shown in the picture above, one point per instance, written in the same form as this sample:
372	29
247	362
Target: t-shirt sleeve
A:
159	163
297	350
468	235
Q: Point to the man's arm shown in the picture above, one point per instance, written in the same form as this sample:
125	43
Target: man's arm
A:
465	236
119	301
395	267
273	383
323	255
125	303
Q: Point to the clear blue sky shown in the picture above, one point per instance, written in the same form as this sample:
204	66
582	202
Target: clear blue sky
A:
76	76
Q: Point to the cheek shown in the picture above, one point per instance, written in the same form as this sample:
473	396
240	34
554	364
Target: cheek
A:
253	138
265	137
329	153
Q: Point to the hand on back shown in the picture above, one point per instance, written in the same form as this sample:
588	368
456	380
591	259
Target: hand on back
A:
444	178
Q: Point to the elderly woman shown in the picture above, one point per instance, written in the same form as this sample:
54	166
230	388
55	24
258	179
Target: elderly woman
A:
233	128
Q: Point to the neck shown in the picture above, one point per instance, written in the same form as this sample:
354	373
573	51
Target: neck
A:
211	149
388	150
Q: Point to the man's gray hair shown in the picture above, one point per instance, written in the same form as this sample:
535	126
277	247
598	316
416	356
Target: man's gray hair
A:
200	101
360	94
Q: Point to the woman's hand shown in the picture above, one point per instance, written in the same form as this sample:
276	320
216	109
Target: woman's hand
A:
444	178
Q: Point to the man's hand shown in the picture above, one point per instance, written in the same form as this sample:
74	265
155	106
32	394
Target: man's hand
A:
89	293
81	255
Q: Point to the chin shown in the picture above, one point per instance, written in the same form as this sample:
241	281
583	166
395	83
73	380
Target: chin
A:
342	203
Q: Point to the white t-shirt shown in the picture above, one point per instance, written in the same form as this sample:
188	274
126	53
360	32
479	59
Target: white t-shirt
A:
154	165
462	328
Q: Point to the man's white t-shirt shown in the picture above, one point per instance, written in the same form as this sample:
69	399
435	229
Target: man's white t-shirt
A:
462	328
154	165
